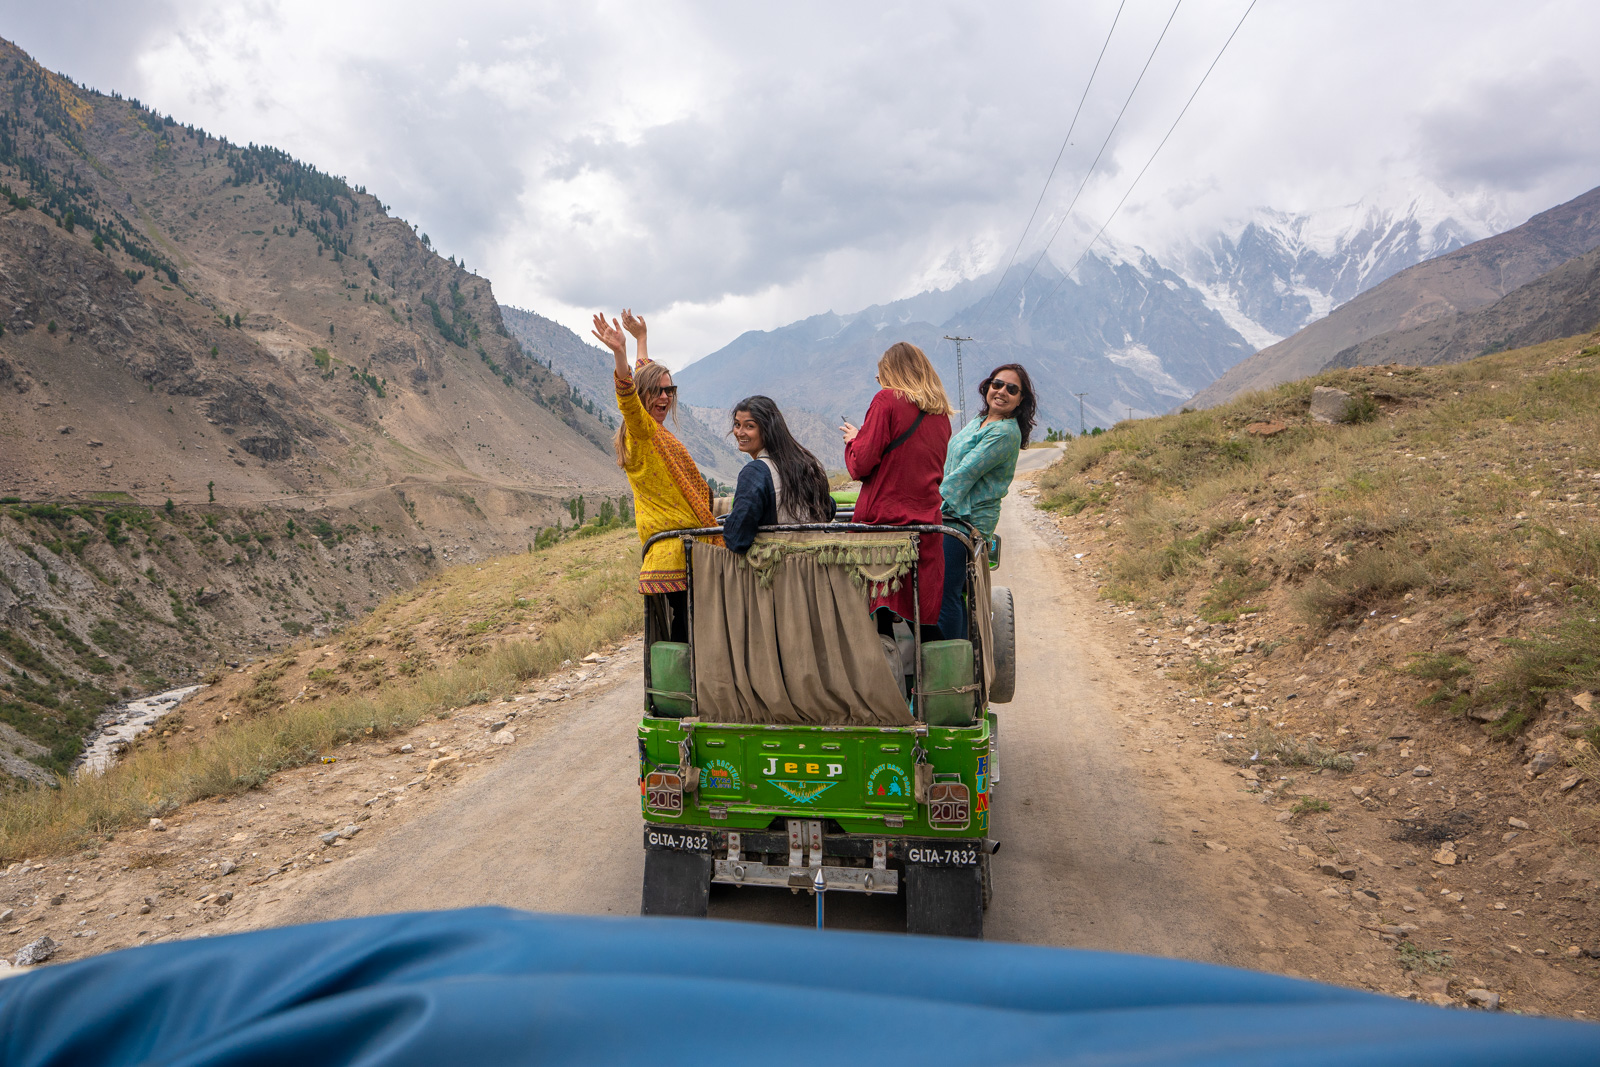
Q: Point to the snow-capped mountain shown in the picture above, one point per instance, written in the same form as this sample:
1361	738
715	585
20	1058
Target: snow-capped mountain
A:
1137	330
1276	272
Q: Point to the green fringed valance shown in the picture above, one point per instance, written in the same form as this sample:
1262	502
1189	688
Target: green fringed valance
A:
876	562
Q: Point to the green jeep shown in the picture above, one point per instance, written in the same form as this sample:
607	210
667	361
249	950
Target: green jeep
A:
779	746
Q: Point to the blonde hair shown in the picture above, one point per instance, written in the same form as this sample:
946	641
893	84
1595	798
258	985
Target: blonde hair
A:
647	379
905	371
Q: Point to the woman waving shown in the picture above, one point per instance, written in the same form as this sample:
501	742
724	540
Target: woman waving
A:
898	456
669	492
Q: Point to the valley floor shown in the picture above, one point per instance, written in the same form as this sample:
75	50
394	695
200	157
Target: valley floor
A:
1122	829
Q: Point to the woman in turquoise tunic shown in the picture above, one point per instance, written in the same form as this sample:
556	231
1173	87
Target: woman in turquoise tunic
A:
977	472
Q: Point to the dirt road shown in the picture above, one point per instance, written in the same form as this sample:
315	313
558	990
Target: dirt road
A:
554	825
1120	826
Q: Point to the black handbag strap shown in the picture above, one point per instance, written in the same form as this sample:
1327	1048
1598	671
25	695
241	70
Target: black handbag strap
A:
898	441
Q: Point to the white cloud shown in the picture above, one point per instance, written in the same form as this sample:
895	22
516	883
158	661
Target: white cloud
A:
729	167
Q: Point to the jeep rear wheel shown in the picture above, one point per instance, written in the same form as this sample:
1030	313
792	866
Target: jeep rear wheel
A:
1005	646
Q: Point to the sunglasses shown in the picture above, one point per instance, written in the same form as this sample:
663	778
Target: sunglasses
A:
991	384
667	390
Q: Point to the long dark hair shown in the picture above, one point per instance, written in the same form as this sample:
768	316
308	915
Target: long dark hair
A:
805	482
1026	404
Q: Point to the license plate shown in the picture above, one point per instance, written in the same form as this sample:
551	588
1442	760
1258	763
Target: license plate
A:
955	856
678	840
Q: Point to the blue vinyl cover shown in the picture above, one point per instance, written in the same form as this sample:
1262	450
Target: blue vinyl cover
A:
489	986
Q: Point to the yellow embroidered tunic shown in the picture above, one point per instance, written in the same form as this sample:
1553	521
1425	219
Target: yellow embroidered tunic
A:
668	492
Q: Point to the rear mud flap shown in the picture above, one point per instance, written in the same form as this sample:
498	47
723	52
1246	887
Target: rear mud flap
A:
676	883
945	901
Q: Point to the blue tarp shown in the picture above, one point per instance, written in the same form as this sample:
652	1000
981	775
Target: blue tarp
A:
489	986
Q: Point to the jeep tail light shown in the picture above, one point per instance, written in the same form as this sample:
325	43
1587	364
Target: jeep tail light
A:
949	805
663	792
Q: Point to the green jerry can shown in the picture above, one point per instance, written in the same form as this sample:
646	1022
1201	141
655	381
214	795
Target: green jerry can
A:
947	666
669	678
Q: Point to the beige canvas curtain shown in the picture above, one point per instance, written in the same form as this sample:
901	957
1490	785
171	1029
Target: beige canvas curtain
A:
789	641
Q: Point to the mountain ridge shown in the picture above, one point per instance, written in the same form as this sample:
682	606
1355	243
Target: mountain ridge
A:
211	445
1563	303
1470	277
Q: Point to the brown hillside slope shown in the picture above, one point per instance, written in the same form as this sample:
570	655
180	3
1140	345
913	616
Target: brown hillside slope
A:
1560	304
238	400
1467	278
360	361
1392	628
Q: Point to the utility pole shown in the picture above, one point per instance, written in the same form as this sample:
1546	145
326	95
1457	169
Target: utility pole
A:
961	376
1080	397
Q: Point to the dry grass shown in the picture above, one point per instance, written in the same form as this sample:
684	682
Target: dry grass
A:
1267	746
1473	484
583	595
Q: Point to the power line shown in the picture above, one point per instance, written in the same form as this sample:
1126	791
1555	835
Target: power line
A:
1065	141
1152	159
1109	133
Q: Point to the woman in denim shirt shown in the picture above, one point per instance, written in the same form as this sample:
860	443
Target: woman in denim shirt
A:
977	473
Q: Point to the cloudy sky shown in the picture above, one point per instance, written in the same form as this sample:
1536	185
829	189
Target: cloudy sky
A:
734	166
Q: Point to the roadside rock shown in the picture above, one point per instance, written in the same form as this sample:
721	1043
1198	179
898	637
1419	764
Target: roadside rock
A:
36	951
1266	429
1517	823
502	737
1434	985
227	867
1446	856
1328	404
1334	870
1542	762
1422	772
158	826
1483	998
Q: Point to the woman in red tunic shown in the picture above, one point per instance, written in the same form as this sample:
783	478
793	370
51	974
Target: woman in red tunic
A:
898	456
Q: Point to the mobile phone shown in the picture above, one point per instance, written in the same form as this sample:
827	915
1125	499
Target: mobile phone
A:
844	418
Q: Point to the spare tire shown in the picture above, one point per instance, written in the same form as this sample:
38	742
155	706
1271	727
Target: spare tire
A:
1005	646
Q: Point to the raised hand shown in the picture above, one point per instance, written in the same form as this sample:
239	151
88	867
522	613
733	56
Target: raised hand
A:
610	335
849	432
634	324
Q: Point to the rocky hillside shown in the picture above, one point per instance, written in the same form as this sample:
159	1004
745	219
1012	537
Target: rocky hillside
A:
1466	279
1390	627
589	369
229	329
1559	304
